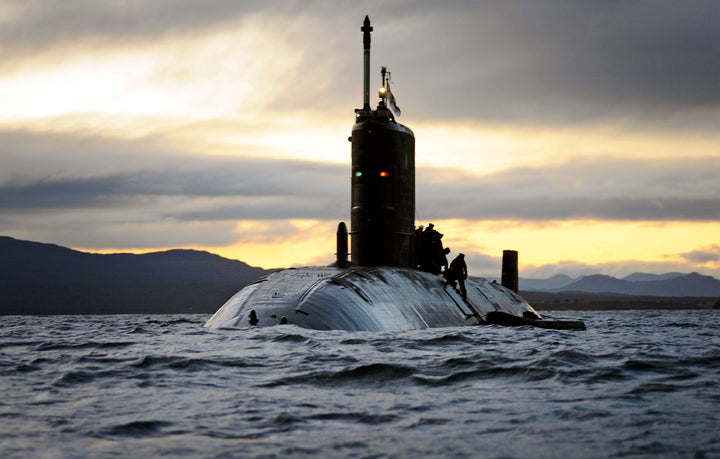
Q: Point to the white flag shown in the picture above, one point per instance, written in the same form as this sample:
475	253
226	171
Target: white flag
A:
392	102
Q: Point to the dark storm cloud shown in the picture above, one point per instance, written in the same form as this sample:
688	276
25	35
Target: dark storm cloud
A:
536	61
605	189
546	61
281	192
51	174
36	26
39	24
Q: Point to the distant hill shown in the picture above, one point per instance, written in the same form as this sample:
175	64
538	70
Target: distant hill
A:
557	281
666	285
37	278
645	277
693	284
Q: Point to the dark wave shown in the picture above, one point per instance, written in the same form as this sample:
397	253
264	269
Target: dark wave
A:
20	343
292	338
656	365
55	346
581	414
73	378
179	321
362	417
650	387
374	374
603	375
451	338
35	364
135	429
151	362
519	372
708	359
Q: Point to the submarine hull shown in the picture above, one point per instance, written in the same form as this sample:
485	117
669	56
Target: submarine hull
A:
365	299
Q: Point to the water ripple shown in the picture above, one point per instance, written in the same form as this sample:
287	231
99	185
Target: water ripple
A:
634	384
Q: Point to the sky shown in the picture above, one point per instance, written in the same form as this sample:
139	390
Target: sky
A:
582	134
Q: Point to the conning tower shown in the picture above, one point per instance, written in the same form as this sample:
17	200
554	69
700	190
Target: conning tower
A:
383	181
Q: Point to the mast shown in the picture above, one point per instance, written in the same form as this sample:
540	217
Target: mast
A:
366	29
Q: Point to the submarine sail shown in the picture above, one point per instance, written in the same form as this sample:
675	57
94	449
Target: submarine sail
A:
383	182
379	288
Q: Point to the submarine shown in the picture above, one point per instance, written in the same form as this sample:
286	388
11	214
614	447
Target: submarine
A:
379	288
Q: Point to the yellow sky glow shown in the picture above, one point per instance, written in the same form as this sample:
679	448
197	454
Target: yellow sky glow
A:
163	80
588	241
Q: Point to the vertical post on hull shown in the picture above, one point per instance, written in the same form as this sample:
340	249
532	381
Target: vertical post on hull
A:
342	245
509	277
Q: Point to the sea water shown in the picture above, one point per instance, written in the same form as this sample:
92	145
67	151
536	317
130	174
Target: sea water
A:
634	384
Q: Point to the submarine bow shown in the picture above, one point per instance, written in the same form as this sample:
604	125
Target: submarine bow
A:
379	289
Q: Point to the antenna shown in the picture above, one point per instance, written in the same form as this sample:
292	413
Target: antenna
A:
366	29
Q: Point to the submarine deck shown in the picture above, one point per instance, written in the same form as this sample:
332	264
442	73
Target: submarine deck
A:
365	299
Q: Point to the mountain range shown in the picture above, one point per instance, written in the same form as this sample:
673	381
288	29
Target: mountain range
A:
665	285
39	278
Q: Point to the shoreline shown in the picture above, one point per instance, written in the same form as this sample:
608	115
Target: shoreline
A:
584	301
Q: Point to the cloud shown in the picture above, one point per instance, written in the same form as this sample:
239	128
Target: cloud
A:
178	187
171	58
604	189
480	264
532	62
87	191
274	181
220	188
144	181
65	23
710	254
560	62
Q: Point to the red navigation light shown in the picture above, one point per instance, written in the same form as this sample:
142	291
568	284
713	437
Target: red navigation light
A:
383	174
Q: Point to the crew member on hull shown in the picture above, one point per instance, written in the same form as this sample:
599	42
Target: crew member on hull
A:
457	272
431	249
